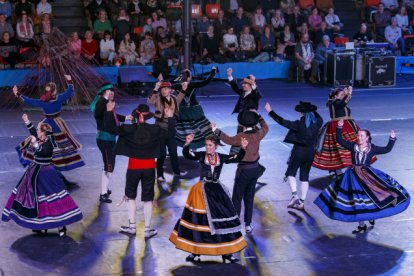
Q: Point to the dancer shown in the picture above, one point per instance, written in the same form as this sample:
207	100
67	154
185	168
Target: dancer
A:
40	201
303	135
209	224
104	139
249	97
249	169
192	118
162	98
332	156
363	193
65	156
140	142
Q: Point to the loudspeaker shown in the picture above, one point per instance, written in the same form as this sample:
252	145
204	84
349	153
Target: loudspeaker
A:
134	74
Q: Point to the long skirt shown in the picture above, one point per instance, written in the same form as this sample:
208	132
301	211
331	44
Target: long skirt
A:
192	120
65	156
40	200
334	156
209	224
363	193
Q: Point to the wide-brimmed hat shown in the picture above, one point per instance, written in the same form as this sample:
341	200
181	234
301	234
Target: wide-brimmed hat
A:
248	118
165	84
142	113
305	107
104	87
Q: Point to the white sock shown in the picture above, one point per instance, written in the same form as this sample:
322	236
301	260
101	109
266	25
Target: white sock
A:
361	223
132	207
147	213
104	182
305	188
292	183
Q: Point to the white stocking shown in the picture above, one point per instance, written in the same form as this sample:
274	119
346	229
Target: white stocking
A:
147	213
132	207
292	183
305	188
104	182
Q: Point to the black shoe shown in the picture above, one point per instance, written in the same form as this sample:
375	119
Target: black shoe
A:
105	198
229	258
109	192
193	258
372	222
62	231
360	229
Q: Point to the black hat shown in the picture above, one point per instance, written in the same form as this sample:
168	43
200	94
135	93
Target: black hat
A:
305	107
142	113
248	118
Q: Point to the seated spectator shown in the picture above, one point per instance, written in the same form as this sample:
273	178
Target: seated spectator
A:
151	6
296	19
239	21
114	6
122	26
6	9
203	24
370	7
287	6
127	50
221	23
45	26
89	47
102	24
230	6
391	5
134	10
147	28
269	7
393	36
107	48
43	7
230	44
5	26
323	31
286	44
315	20
323	48
211	47
147	49
75	44
247	44
382	19
278	22
333	21
306	5
324	5
409	5
304	29
362	37
166	44
305	58
8	49
267	42
24	31
403	22
23	5
94	8
258	22
158	21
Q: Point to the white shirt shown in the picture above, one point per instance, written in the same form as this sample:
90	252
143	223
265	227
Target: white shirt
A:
402	21
234	5
107	45
43	8
230	39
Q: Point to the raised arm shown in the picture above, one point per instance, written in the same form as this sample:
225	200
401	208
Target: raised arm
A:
293	125
233	82
264	128
154	96
29	125
229	140
388	147
236	158
202	83
69	90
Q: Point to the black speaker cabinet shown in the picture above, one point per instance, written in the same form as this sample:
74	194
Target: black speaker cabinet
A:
380	71
339	68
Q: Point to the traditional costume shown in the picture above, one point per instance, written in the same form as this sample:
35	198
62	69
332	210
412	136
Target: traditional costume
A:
40	201
209	224
363	193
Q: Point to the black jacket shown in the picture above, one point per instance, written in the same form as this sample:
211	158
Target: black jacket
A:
100	110
298	133
140	141
245	103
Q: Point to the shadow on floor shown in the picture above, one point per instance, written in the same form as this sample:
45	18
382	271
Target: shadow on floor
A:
211	268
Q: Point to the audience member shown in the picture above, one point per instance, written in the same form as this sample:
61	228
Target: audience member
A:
122	26
89	47
24	31
393	36
134	10
75	44
127	50
278	22
147	49
333	21
315	20
107	48
239	21
6	9
403	22
5	26
381	19
94	8
102	24
8	49
322	32
158	21
267	42
258	22
247	44
362	37
305	58
23	5
286	44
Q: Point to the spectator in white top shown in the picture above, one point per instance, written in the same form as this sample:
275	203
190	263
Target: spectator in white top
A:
333	21
230	44
409	5
391	5
258	21
24	31
43	7
394	38
247	43
278	22
107	48
403	22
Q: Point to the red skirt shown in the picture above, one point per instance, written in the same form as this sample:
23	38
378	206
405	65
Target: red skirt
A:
334	156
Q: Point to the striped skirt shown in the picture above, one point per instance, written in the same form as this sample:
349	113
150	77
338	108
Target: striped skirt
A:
40	200
65	156
209	224
334	156
192	120
363	193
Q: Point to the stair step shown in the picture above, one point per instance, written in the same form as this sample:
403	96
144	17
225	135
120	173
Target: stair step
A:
60	3
69	30
67	11
73	21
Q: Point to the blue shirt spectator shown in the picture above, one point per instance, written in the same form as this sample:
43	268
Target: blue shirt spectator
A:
324	47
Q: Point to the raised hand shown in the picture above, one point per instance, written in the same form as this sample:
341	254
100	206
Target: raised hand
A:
157	86
160	77
341	123
68	77
392	134
129	117
268	107
15	91
189	138
213	125
244	143
229	72
25	117
253	78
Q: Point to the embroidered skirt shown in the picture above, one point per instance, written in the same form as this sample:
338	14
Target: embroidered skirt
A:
192	120
65	156
209	224
40	200
363	193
